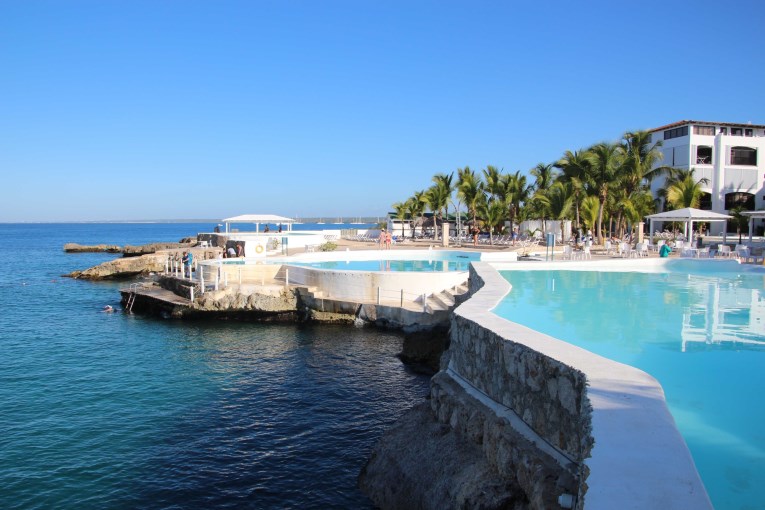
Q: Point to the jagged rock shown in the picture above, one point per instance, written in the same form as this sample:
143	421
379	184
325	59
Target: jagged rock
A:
122	268
239	302
98	248
421	463
424	349
145	249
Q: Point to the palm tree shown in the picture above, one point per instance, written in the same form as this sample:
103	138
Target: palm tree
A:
544	176
493	214
470	190
559	202
493	184
684	192
437	198
741	221
633	208
401	209
590	211
675	176
445	181
607	158
415	207
641	160
517	192
576	167
421	198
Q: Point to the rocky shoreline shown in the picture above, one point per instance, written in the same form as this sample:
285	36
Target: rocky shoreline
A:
137	260
129	250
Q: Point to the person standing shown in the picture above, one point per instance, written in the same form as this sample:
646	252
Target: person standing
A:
388	240
381	239
188	260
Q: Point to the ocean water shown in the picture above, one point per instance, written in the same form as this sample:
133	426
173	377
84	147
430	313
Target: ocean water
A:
122	411
700	334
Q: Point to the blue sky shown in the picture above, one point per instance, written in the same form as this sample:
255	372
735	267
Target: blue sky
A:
114	110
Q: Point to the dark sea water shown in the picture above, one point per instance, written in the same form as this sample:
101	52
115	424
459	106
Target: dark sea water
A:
121	411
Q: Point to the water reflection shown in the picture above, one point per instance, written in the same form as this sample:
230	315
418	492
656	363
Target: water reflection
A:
725	312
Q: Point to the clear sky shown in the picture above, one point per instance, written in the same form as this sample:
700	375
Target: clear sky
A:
155	109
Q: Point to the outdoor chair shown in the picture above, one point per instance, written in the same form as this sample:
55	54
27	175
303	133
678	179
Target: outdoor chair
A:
723	250
742	252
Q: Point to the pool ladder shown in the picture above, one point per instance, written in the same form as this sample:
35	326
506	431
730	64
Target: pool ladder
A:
131	297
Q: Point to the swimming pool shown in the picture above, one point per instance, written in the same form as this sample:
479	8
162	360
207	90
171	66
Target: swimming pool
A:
372	260
699	331
458	263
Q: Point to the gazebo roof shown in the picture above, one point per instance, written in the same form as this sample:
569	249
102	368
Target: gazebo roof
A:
689	214
258	218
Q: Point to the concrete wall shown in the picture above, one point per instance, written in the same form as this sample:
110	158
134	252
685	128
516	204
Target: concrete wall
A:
363	286
605	425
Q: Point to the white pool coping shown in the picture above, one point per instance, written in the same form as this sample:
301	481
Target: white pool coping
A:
639	459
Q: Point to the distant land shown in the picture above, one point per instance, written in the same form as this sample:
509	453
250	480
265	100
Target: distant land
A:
326	219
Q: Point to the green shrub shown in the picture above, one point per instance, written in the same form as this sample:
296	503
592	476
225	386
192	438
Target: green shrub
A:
328	246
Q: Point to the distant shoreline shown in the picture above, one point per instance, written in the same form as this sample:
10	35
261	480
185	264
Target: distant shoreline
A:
363	220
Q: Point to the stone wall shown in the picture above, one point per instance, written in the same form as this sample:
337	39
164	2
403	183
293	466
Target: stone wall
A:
548	395
605	424
530	412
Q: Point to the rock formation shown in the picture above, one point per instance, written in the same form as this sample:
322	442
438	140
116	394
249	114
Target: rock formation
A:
438	469
123	268
145	249
98	248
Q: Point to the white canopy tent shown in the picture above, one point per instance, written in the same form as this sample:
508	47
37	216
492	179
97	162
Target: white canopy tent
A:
753	215
257	219
689	215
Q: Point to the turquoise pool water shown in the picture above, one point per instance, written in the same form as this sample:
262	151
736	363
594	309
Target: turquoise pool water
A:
702	335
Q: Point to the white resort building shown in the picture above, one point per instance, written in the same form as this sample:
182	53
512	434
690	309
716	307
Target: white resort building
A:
727	155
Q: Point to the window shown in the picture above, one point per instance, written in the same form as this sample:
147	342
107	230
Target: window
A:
748	132
705	201
743	156
723	131
704	130
650	137
676	133
739	199
736	131
704	155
